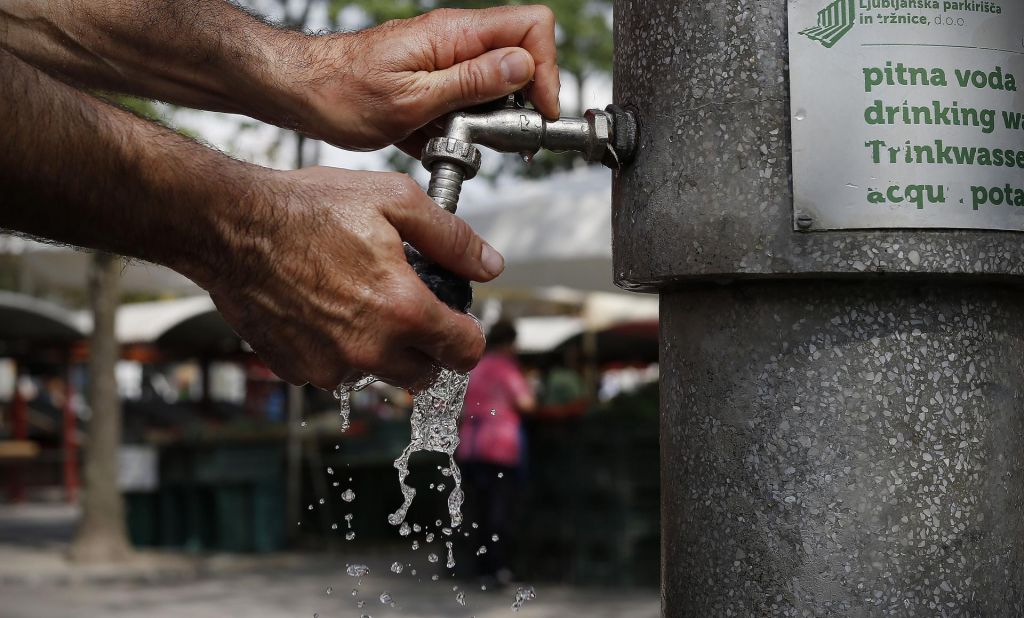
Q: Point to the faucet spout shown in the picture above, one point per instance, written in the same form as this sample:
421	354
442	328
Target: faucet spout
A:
606	136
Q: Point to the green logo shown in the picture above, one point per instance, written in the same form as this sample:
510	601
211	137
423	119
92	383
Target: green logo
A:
834	21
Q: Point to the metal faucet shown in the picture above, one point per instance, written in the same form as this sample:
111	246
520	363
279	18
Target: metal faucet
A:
607	136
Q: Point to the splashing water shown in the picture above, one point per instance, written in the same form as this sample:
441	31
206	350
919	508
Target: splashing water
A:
435	427
342	394
357	570
524	594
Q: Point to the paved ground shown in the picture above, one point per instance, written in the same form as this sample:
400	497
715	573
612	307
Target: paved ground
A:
36	582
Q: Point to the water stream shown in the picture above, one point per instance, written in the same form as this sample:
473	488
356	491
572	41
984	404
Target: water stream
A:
435	427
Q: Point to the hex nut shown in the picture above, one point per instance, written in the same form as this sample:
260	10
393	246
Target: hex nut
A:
451	150
601	134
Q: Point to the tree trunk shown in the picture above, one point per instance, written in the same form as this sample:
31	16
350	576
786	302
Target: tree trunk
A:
102	535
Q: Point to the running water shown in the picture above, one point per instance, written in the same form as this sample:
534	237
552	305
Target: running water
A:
435	427
342	394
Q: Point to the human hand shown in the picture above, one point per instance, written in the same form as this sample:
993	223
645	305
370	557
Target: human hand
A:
318	283
386	85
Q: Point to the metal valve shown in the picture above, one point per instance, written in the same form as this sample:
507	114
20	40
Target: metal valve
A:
606	136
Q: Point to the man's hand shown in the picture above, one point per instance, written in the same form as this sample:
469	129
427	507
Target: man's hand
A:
362	90
320	288
385	85
307	266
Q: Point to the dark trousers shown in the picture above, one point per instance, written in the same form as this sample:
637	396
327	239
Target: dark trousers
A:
491	503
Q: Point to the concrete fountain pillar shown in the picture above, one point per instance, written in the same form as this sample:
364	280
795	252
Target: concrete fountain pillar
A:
842	377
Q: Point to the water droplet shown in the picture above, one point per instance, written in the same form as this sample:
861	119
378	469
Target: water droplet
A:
404	530
446	531
322	501
304	423
396	567
354	592
335	484
461	599
481	551
357	570
432	558
416	528
438	523
430	537
440	487
360	604
523	594
494	537
334	526
527	157
348	496
434	578
451	556
348	520
309	508
350	535
329	590
800	114
330	470
386	599
415	545
501	475
493	411
475	525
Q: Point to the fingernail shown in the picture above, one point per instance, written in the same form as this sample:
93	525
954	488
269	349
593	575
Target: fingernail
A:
492	261
515	67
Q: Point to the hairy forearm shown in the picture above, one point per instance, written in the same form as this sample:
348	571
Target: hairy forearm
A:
206	54
79	171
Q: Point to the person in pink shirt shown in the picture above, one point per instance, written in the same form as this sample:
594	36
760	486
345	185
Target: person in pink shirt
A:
491	447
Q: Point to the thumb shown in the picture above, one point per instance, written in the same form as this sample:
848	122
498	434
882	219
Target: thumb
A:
444	238
483	79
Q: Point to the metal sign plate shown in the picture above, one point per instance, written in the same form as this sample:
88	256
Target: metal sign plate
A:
907	114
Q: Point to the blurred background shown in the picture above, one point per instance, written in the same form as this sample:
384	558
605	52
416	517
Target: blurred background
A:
150	463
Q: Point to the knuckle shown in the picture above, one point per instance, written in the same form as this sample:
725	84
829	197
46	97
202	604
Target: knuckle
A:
442	14
410	314
544	14
468	355
473	80
405	189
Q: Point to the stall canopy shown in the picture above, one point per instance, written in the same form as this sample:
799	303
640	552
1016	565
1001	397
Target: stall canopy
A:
554	232
25	318
188	325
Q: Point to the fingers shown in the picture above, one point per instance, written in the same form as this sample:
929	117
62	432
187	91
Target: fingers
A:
459	36
489	76
441	236
454	340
